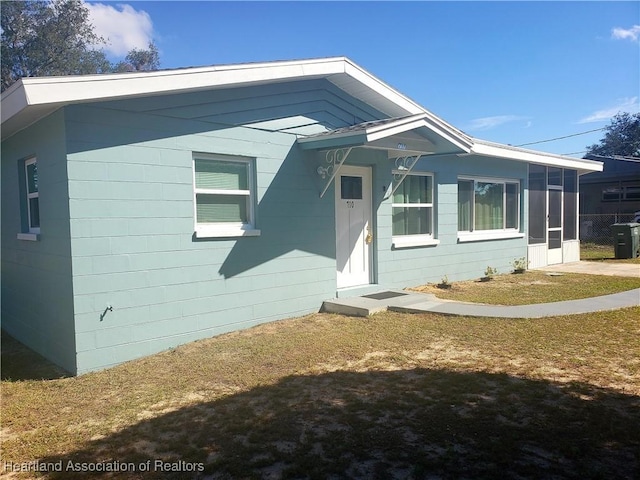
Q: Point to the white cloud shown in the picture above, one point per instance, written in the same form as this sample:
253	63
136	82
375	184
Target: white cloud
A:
629	104
629	33
122	26
487	123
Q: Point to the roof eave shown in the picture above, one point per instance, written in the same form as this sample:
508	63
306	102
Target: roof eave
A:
14	100
61	91
530	156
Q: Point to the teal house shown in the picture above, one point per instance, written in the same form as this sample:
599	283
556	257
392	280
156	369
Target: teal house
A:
141	211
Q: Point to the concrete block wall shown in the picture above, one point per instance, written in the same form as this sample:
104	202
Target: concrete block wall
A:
37	296
130	168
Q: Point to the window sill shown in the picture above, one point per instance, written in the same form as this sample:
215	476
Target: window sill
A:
30	237
225	232
487	235
410	241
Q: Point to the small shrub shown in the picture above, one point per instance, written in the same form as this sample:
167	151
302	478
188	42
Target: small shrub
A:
444	283
488	273
520	265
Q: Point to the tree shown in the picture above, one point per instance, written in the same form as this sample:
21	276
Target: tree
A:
622	137
41	38
140	60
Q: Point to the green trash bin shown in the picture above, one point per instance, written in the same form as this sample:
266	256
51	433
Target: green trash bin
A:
626	239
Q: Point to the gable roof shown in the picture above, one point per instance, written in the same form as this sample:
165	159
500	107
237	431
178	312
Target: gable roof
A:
31	99
377	133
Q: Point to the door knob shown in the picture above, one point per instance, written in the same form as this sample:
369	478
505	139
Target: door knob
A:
369	238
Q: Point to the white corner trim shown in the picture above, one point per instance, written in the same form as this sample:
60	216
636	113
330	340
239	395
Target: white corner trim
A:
487	235
409	241
225	232
31	237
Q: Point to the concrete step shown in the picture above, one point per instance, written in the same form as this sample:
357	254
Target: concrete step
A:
366	305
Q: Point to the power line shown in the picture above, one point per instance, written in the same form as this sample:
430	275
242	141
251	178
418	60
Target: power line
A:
560	138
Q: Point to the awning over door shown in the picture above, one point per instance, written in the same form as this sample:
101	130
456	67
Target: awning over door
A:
405	140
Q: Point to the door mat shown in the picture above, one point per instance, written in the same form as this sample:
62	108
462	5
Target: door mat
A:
384	295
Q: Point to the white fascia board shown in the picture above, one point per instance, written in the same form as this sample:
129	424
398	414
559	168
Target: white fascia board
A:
531	156
382	88
105	87
14	100
371	134
380	132
23	102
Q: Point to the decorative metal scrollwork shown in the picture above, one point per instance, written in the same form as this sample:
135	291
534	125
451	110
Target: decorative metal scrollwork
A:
404	165
334	159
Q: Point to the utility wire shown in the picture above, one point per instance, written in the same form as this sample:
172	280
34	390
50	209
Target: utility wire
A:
560	138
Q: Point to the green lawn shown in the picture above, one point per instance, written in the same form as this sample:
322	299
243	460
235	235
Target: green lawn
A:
389	396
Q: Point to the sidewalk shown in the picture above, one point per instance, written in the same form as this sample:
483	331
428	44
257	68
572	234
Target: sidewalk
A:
596	268
413	302
614	301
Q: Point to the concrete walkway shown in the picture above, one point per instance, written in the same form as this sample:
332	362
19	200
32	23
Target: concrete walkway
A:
596	268
414	302
615	301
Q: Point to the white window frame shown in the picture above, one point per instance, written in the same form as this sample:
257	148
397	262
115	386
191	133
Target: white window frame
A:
474	235
226	229
31	195
416	240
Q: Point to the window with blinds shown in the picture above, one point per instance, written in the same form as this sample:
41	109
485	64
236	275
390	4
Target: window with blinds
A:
224	194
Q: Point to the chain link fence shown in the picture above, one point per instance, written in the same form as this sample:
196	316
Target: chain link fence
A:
597	228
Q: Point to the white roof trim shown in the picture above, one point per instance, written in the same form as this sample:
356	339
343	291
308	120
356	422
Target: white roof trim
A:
489	149
31	99
90	88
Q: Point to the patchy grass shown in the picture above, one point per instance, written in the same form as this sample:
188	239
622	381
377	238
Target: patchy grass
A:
532	287
389	396
604	253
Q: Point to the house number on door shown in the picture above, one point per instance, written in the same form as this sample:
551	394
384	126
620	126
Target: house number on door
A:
351	204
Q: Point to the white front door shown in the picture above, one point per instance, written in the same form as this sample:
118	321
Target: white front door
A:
354	230
554	230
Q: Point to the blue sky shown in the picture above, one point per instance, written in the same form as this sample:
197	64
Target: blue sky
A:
511	72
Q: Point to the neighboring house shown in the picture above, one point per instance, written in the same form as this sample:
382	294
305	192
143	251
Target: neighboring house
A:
608	197
615	190
141	211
